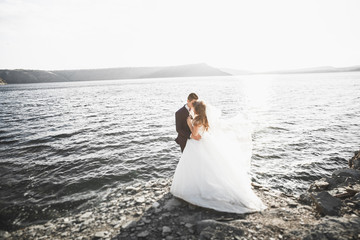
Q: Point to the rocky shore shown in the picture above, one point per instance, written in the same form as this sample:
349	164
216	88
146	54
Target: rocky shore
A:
329	210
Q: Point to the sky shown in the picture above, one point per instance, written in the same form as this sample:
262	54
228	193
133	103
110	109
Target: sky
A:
256	35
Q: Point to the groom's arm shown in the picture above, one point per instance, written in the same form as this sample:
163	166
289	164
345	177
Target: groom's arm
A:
179	119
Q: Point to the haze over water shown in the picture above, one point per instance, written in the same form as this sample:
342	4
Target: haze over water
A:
64	144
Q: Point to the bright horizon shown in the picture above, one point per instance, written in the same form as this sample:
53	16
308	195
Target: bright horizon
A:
245	35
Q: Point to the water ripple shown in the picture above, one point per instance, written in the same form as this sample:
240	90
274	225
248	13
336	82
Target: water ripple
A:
64	144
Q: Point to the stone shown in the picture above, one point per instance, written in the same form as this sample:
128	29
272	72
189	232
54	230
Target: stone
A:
156	205
346	175
357	197
84	216
188	225
132	189
305	198
326	204
143	234
319	185
129	224
140	200
292	204
166	230
101	234
354	162
171	204
4	234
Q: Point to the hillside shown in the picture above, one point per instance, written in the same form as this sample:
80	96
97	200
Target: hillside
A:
42	76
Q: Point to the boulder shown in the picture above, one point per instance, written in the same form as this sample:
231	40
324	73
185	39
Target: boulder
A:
326	204
305	198
172	204
346	176
354	162
319	185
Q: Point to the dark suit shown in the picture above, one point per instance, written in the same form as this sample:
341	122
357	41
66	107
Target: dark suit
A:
182	128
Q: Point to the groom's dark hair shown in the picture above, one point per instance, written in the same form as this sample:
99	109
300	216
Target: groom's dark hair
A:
192	96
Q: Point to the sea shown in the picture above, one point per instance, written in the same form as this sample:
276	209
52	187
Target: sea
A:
64	145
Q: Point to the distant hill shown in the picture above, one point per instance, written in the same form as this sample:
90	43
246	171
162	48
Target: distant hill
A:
42	76
324	69
294	71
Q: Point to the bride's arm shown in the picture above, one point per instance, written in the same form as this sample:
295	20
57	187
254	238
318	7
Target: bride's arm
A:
194	130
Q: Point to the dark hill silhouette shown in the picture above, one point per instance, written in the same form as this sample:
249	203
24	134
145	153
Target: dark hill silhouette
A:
42	76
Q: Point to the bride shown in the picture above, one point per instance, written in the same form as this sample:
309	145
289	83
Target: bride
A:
213	172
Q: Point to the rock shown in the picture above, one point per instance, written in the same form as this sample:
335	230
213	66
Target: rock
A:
188	225
166	230
292	204
140	200
346	175
305	198
319	185
171	204
132	189
156	205
129	224
101	234
326	204
354	162
357	197
84	216
4	234
143	234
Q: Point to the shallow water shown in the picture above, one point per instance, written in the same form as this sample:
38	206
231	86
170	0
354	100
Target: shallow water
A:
65	144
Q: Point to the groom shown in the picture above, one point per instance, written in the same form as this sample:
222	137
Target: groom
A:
182	127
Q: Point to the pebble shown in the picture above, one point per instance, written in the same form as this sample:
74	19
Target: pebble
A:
143	234
156	205
85	215
101	234
166	230
140	199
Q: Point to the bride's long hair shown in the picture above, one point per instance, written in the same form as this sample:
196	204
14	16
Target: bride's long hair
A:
200	118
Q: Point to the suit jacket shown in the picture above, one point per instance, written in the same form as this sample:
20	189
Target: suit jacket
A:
182	128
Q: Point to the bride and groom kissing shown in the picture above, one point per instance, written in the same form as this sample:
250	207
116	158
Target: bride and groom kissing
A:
216	153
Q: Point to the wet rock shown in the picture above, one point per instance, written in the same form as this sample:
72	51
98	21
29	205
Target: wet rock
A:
326	204
140	200
4	235
319	185
357	196
156	205
166	230
346	175
171	204
305	198
83	216
354	162
143	234
132	189
101	234
292	204
129	224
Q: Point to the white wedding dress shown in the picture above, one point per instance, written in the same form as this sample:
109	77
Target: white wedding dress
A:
213	172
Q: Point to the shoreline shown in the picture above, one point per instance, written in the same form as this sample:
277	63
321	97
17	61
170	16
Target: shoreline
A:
330	209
